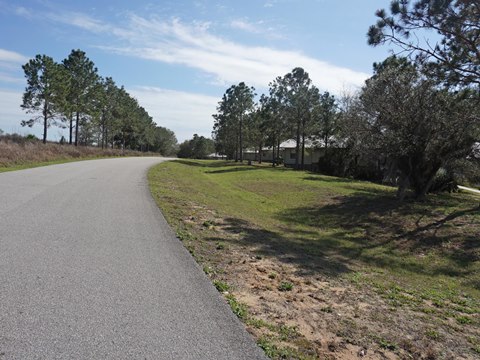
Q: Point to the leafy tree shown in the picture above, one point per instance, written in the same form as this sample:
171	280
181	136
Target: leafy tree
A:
298	97
103	113
257	123
164	142
229	129
327	115
273	124
199	147
455	57
44	93
106	103
327	127
405	118
83	76
224	130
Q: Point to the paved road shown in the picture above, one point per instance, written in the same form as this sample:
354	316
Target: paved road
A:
90	270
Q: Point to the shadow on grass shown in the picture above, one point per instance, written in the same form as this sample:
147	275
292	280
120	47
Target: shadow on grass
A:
324	178
233	169
206	163
379	230
310	256
369	229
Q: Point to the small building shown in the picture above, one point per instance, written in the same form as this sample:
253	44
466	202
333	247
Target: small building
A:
254	155
313	152
216	156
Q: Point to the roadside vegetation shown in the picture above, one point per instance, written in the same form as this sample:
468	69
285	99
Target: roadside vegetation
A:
414	124
327	267
18	152
95	110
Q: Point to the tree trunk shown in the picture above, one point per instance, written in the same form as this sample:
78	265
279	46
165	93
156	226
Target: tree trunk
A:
260	153
402	188
422	192
45	123
325	154
76	128
71	128
297	146
278	148
106	137
103	129
241	140
273	153
303	151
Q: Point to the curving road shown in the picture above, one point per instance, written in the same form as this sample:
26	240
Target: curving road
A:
89	269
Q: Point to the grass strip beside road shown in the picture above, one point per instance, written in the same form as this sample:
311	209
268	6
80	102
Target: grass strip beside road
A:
29	165
318	266
29	154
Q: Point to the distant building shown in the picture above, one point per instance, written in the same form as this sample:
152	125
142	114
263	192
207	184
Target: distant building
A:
216	156
254	154
312	154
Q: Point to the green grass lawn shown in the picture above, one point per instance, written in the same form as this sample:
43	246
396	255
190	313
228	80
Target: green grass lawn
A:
419	255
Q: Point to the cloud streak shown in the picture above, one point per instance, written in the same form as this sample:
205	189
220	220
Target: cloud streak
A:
7	56
194	45
227	62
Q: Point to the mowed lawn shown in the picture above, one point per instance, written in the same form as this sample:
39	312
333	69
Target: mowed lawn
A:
421	256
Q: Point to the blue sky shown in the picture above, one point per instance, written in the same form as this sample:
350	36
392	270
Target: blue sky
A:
178	57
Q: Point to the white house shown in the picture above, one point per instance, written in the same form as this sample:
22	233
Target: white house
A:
313	151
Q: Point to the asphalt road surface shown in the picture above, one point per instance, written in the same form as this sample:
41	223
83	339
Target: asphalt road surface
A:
89	269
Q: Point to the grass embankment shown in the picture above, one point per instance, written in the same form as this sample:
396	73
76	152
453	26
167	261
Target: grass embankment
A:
323	267
16	156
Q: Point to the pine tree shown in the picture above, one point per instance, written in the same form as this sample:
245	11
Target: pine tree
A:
83	78
45	91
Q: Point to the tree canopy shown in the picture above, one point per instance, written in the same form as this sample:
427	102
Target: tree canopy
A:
97	112
45	91
454	56
406	119
199	147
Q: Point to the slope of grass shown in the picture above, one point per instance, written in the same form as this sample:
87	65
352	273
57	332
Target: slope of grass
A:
422	257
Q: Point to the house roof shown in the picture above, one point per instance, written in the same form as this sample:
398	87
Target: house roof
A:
312	143
309	144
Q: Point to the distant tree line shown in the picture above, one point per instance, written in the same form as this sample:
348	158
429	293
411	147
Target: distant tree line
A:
415	123
72	95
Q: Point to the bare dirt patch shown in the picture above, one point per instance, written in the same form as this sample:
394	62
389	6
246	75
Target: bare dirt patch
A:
328	317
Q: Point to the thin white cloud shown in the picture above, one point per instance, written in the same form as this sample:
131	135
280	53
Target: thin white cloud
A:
80	20
10	79
246	26
193	45
183	112
8	56
10	67
257	28
22	11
